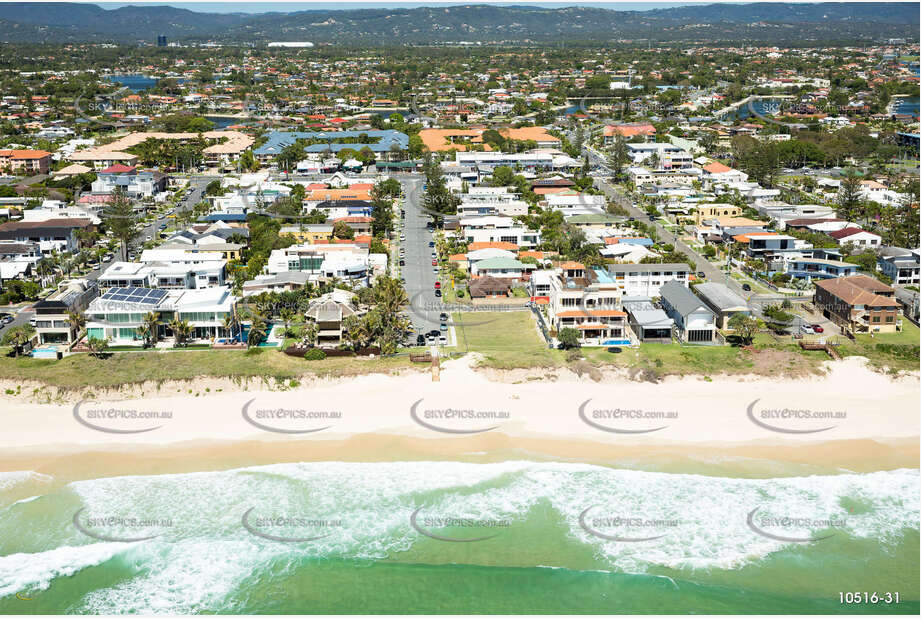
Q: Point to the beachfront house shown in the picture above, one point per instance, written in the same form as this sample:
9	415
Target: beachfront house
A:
695	322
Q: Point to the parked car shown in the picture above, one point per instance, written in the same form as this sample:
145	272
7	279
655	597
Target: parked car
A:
438	293
443	317
420	339
746	287
434	262
438	285
444	326
434	333
402	262
807	329
701	274
443	340
431	243
818	328
7	319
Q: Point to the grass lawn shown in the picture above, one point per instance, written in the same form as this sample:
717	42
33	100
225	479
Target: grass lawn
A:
896	351
82	370
507	339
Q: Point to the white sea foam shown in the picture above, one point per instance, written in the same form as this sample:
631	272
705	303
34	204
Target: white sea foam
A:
9	480
24	572
206	553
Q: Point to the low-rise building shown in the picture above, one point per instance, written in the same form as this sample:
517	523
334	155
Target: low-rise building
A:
25	161
117	314
900	265
648	279
723	301
696	323
859	303
588	300
53	314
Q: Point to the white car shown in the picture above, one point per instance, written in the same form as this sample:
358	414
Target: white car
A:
807	329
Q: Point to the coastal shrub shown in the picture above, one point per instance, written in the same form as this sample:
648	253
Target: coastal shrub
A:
899	350
314	354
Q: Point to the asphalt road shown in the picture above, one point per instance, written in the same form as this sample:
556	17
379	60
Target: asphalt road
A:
424	307
197	186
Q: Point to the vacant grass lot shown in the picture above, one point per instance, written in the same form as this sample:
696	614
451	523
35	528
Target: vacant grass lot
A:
506	339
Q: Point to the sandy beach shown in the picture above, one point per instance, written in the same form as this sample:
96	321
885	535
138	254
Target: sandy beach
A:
852	418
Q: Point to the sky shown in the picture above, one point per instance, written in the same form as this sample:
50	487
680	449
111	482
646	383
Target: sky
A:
286	7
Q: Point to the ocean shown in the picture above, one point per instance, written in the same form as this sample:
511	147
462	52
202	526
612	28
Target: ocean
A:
447	537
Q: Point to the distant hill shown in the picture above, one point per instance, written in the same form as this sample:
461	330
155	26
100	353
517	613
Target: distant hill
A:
782	23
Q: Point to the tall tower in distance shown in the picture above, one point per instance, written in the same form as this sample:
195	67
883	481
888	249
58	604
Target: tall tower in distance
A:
161	40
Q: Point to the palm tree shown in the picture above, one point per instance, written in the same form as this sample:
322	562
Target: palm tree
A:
230	323
257	330
287	315
310	333
76	321
149	328
182	330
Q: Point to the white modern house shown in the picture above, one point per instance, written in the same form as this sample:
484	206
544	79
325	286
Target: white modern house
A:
117	314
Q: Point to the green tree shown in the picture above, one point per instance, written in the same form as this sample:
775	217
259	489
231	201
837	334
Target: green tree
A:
744	327
569	338
119	218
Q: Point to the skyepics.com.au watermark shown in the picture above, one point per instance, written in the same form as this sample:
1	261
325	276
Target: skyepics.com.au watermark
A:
460	420
424	310
121	528
462	529
625	528
118	419
625	420
100	108
793	529
794	420
289	420
289	528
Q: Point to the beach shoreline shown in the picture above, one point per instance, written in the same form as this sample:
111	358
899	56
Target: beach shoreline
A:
740	424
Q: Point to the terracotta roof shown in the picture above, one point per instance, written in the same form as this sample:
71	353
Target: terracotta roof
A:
117	168
476	246
858	290
24	154
572	266
538	134
630	130
717	168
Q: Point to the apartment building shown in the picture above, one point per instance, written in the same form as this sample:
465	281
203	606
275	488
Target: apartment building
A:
858	303
25	161
648	279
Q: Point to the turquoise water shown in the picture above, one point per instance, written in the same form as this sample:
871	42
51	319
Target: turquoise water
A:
367	554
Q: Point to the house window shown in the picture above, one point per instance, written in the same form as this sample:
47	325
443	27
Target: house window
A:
875	319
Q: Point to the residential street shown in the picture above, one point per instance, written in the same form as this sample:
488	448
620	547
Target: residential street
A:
420	279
